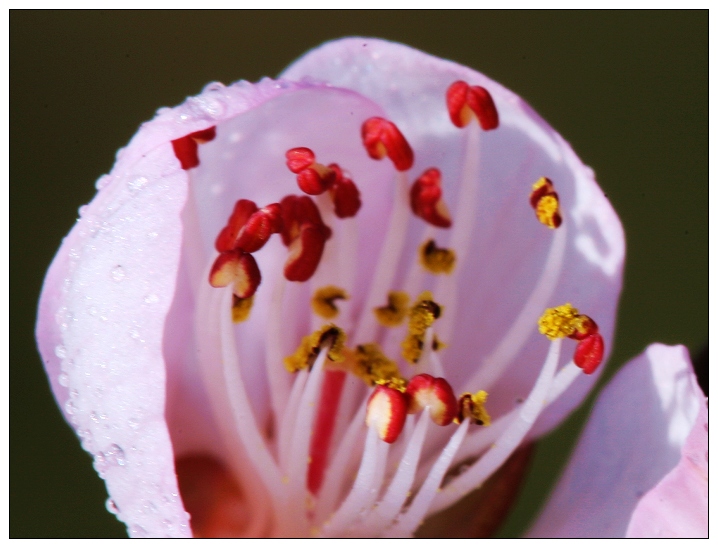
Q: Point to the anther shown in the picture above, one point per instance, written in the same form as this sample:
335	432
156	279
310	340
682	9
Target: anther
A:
463	101
393	314
297	211
386	412
382	138
313	178
236	267
241	308
471	406
227	237
435	395
305	252
558	322
426	201
373	367
544	200
437	260
344	194
258	228
329	335
421	317
589	353
323	301
185	148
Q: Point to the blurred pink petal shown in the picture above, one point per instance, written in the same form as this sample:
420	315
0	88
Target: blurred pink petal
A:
633	440
148	368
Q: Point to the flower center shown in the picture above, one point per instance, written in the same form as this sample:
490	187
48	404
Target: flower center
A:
380	362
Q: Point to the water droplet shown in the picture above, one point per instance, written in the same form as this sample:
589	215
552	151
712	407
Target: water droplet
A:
63	379
102	182
135	334
60	351
115	455
93	311
100	463
152	298
82	210
94	417
70	407
118	273
213	86
74	254
137	183
152	235
133	423
112	507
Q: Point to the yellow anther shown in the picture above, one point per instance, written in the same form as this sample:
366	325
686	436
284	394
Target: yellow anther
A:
323	301
395	311
545	202
437	260
397	383
562	321
421	317
372	366
473	406
329	335
241	308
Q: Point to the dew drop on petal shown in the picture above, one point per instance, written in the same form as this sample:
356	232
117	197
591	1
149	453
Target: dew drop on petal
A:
137	183
70	407
112	507
82	210
115	455
152	298
60	351
102	182
118	273
63	379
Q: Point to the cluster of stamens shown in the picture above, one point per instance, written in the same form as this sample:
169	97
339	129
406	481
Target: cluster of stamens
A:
298	221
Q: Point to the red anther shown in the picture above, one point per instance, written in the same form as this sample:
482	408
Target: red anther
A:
426	201
299	158
236	267
344	194
386	412
589	353
585	327
258	228
296	211
433	394
382	138
227	237
315	180
305	252
462	100
185	148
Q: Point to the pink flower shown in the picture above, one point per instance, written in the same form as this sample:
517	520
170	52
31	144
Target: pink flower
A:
367	169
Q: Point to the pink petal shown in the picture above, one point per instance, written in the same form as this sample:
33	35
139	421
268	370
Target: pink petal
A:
102	328
678	506
509	248
633	439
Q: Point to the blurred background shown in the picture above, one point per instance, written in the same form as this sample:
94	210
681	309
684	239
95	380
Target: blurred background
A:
629	91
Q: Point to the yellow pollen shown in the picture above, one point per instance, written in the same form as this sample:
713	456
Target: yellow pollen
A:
562	321
397	383
395	311
371	365
241	308
437	345
435	259
421	317
311	345
473	407
545	202
323	301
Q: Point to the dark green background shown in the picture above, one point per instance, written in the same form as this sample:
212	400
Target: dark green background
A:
629	91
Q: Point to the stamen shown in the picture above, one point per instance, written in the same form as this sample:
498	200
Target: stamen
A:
589	353
241	308
435	259
463	100
185	148
305	252
258	228
323	301
386	412
344	194
372	366
311	345
238	268
558	322
227	237
471	406
426	200
433	394
421	317
393	314
544	200
312	178
382	138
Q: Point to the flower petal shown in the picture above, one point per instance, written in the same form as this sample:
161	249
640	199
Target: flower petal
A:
508	248
678	506
633	438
